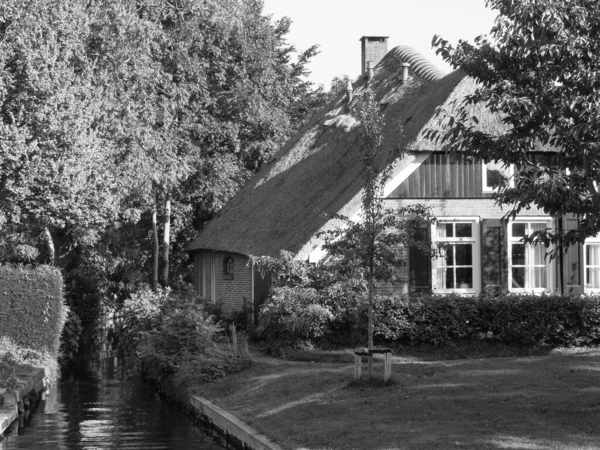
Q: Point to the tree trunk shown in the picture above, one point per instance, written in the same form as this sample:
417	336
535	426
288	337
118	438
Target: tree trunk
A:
154	251
370	324
166	241
50	245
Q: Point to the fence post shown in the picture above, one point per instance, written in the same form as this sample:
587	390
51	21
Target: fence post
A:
234	339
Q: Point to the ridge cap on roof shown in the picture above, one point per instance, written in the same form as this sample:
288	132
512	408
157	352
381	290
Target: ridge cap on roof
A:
420	66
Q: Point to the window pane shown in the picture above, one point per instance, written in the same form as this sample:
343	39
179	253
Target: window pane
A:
464	277
518	229
539	254
518	254
441	278
463	230
539	277
450	279
449	255
464	255
495	171
538	227
592	254
445	230
593	277
518	277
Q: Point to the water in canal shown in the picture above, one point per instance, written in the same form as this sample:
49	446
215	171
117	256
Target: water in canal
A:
97	410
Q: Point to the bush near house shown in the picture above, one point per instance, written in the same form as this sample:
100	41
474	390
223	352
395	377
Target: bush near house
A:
175	340
546	320
295	317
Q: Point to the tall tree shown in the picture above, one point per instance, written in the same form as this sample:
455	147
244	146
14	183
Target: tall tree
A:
55	168
373	248
538	71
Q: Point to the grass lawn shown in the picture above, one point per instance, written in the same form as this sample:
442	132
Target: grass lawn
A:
549	401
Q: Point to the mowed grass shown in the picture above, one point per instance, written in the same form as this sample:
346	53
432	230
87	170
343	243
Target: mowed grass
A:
525	402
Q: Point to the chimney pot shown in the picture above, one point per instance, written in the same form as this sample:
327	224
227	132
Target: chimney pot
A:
405	66
349	91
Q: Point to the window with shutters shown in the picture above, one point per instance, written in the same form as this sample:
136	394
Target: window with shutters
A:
457	266
529	268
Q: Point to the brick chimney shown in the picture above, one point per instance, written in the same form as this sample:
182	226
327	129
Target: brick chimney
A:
373	49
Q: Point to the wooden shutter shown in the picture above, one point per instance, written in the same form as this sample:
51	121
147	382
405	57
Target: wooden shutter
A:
573	261
494	263
419	262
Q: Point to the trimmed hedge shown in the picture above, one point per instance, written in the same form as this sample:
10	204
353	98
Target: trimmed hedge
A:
548	320
32	307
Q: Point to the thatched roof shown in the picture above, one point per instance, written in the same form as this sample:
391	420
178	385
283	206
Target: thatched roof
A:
318	172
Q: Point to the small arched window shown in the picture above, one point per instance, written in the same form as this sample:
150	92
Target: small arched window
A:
228	268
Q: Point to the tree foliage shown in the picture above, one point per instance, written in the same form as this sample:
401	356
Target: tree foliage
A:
373	248
110	110
538	71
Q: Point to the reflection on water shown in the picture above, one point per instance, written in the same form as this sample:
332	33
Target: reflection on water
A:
96	410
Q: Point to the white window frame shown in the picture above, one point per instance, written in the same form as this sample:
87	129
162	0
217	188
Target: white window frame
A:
595	240
484	181
519	240
475	239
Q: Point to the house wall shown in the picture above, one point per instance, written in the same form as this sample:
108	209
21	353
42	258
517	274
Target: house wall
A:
449	177
466	207
232	292
493	264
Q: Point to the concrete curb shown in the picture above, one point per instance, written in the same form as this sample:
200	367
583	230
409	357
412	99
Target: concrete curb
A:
232	425
8	414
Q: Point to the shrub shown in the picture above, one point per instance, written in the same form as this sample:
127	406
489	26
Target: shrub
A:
174	337
546	320
293	317
13	355
140	314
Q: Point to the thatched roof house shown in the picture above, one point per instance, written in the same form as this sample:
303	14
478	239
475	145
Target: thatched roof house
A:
318	173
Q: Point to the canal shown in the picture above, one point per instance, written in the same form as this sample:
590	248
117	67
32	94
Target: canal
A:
98	409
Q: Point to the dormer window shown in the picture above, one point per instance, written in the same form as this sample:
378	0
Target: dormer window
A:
492	174
228	265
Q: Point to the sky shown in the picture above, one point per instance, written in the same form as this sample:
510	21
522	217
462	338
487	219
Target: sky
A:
337	26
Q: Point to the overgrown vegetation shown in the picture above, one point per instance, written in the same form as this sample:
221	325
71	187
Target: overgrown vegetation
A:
174	340
13	355
126	125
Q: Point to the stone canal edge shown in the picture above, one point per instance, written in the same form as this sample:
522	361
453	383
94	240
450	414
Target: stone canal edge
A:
231	425
32	382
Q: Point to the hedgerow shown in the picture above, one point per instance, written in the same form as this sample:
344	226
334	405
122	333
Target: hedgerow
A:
515	319
32	307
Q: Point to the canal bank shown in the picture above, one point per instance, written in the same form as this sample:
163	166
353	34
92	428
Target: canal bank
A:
16	404
230	426
103	408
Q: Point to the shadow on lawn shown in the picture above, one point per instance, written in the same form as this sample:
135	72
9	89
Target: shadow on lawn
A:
548	402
